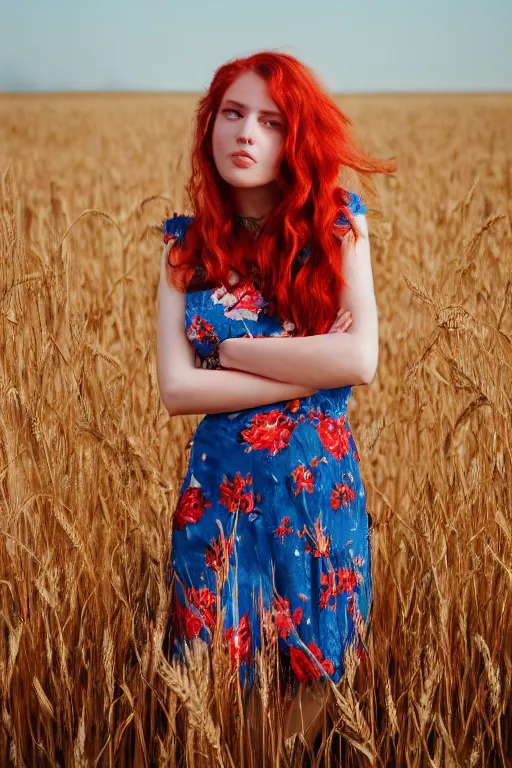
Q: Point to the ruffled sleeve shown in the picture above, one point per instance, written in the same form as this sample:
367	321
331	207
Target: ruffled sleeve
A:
175	228
356	206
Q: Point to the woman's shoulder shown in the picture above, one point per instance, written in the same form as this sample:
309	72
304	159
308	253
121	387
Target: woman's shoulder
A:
176	227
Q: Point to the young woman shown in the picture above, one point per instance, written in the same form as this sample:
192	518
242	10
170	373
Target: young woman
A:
266	319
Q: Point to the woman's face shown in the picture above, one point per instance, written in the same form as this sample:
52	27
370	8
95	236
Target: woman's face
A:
248	120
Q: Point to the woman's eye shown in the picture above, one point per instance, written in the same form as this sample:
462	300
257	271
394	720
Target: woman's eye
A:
273	123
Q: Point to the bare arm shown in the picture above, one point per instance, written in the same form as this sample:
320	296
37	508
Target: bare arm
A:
324	360
186	389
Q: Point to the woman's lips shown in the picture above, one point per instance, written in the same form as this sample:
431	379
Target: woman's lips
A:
241	161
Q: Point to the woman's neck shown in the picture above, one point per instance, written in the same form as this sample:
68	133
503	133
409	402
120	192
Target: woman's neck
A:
254	202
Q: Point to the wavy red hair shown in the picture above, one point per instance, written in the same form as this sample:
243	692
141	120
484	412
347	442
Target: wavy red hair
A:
318	143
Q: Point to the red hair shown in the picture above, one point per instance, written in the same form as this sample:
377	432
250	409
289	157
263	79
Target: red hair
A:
317	144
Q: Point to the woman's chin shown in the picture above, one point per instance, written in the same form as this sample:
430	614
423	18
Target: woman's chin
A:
243	182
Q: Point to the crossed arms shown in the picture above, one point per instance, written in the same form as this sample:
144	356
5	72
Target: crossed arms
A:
265	370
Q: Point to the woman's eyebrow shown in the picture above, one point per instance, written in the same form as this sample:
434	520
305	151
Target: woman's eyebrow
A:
262	111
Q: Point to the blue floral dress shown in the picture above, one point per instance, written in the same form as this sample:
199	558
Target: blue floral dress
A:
271	525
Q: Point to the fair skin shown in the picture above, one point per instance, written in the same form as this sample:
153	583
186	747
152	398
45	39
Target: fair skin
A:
323	360
262	371
249	120
270	369
185	389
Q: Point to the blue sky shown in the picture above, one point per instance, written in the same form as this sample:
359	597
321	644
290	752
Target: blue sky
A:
162	45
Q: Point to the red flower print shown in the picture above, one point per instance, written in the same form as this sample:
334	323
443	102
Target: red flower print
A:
333	433
293	406
297	615
246	503
234	496
270	431
326	663
304	668
315	461
304	479
247	298
283	530
240	640
329	581
203	331
321	542
347	580
241	301
285	621
188	624
342	494
191	507
196	613
336	582
219	551
203	600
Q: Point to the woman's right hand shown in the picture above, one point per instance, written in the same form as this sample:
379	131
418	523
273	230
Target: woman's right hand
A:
342	322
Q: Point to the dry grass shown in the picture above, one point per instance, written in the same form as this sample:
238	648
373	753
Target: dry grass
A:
90	462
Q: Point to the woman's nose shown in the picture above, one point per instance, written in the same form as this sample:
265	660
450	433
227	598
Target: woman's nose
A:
246	132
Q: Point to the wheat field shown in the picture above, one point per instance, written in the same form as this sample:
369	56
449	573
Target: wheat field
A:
91	462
